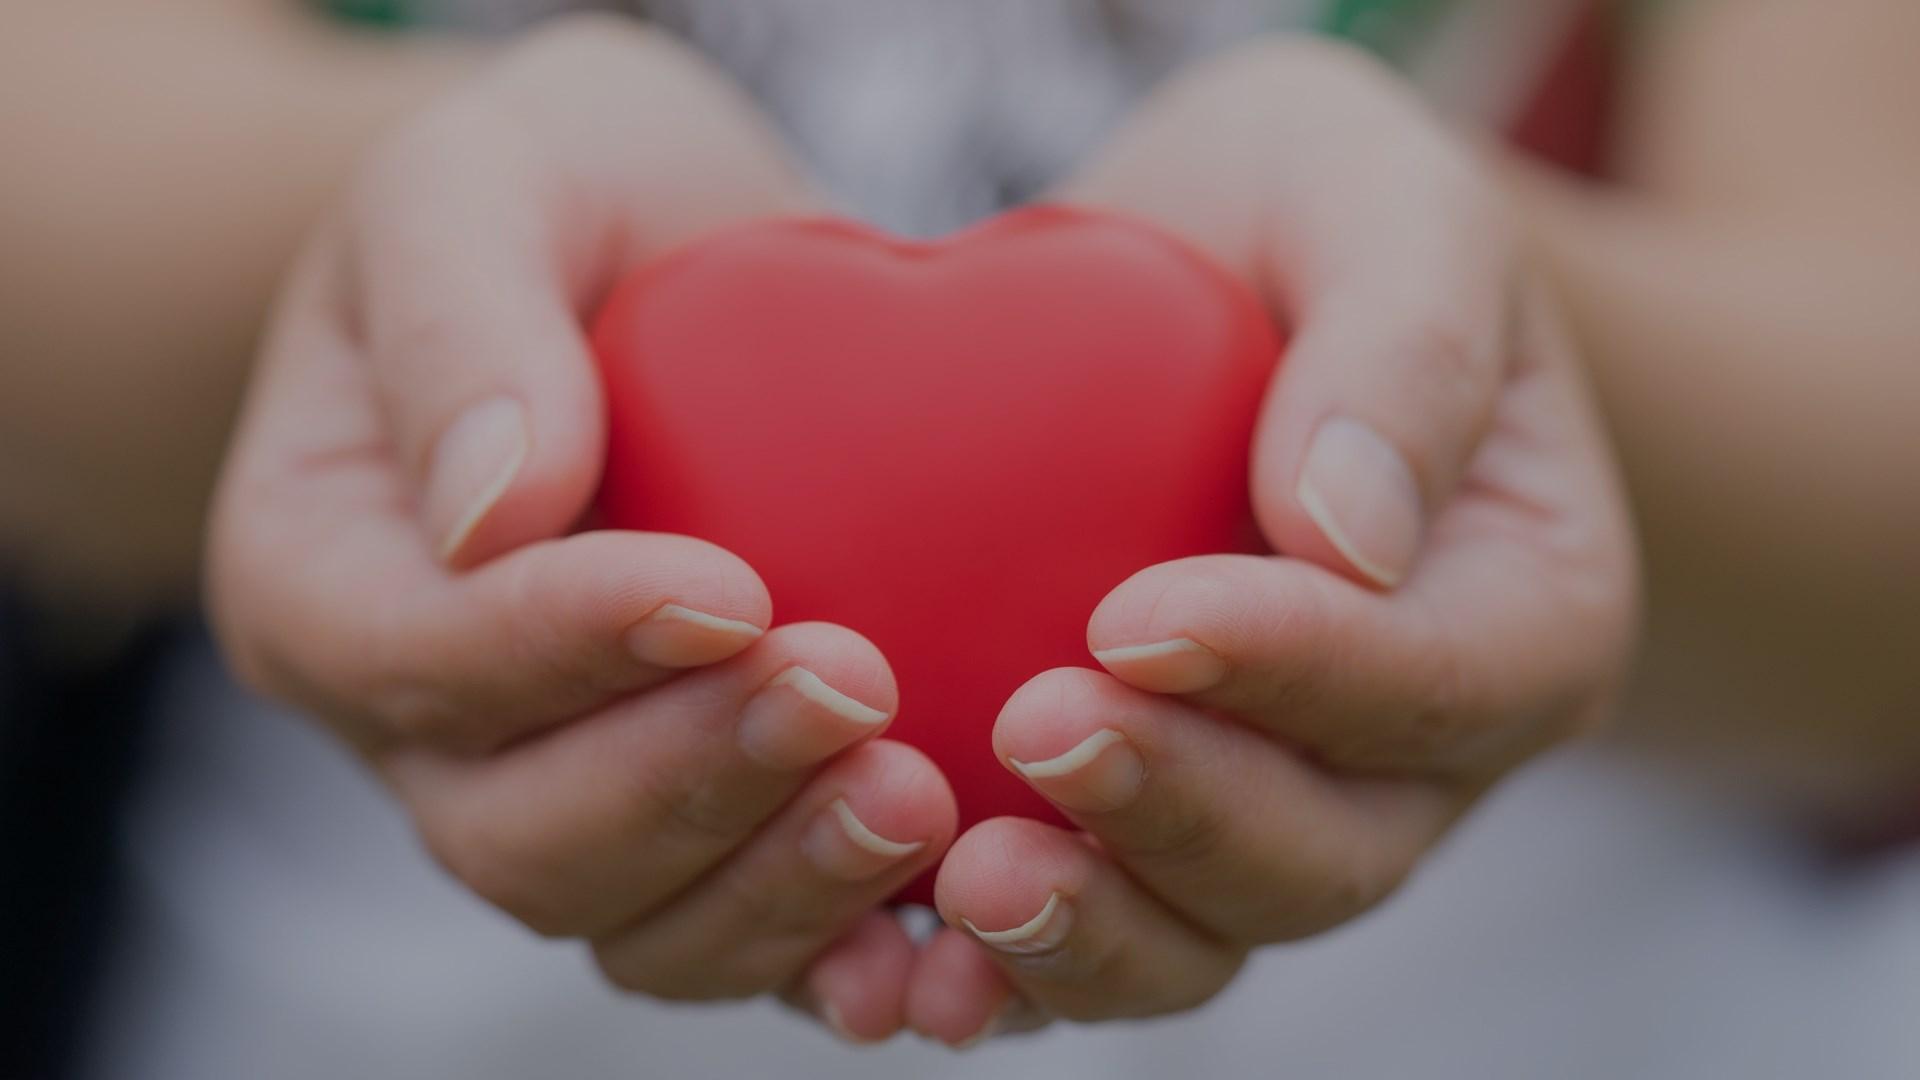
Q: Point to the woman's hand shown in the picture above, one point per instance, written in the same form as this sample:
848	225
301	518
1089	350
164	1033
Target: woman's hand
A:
1277	740
595	731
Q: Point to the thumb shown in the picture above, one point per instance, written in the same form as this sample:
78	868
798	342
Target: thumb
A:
477	248
467	320
1390	259
1375	415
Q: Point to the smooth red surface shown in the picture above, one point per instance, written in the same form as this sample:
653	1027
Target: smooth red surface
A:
956	448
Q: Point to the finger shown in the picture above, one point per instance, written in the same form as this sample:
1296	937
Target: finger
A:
958	995
464	301
1459	676
486	228
858	985
1360	679
592	825
538	637
1070	930
323	593
862	829
1225	826
1387	255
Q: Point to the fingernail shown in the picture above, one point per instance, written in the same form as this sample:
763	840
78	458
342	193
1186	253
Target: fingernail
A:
1363	495
1103	773
680	637
1042	933
842	846
797	720
473	464
1179	666
836	1023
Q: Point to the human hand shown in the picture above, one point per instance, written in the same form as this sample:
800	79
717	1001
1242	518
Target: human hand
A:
595	732
1276	741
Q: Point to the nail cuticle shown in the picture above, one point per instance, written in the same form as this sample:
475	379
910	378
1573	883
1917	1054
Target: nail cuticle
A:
1175	666
1102	773
1038	936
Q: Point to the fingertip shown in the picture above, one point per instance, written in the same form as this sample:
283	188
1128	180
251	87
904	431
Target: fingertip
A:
667	601
898	795
1002	875
1178	665
842	661
676	636
859	985
1159	630
1067	734
956	996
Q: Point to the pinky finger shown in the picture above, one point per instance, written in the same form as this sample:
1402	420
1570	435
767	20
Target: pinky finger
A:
959	996
858	986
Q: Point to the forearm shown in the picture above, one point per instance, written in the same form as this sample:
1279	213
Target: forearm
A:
1748	306
160	163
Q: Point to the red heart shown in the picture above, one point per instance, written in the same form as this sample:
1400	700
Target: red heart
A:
956	448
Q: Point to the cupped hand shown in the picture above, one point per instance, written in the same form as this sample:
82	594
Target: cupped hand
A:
1275	741
595	731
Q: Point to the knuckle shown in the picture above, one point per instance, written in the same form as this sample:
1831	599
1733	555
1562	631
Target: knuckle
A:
682	976
701	810
494	866
1188	833
1451	716
1356	885
539	624
661	963
416	332
1295	673
1451	357
1318	887
414	700
421	713
1419	742
1339	894
413	707
753	903
629	969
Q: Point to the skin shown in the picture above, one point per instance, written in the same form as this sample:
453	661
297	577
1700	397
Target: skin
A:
1365	702
114	428
564	716
1745	296
1351	721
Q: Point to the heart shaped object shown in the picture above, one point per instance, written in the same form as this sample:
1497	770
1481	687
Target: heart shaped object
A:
956	448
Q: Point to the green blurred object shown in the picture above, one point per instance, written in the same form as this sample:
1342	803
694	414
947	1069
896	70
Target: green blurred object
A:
1391	28
372	12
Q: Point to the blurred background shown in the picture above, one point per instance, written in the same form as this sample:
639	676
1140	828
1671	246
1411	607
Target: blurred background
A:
194	883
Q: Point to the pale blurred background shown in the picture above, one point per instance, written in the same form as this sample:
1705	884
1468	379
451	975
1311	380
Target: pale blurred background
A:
198	886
